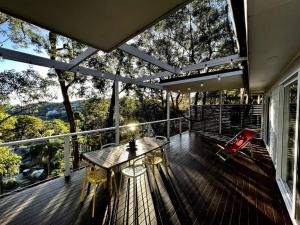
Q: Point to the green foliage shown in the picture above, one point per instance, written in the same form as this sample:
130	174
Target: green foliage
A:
27	85
7	127
95	112
28	127
54	127
9	162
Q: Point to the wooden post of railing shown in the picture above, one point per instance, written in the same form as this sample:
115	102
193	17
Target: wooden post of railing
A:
168	113
117	112
220	113
67	156
180	126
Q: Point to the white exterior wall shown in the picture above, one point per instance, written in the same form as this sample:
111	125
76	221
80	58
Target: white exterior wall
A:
275	121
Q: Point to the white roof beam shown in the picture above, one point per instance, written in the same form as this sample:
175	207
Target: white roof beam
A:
154	76
84	55
41	61
214	62
148	58
203	78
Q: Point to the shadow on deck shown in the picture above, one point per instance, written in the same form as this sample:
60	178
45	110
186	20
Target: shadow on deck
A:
199	189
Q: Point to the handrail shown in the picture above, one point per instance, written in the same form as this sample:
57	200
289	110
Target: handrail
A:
25	141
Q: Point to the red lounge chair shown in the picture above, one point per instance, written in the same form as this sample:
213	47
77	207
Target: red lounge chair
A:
236	144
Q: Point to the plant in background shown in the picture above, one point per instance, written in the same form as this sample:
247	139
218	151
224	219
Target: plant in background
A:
9	165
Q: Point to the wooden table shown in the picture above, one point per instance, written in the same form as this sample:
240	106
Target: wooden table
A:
114	156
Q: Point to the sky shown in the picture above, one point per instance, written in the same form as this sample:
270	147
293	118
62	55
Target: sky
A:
18	66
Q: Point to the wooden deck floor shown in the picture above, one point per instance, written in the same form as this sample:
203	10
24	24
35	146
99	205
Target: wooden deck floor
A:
200	189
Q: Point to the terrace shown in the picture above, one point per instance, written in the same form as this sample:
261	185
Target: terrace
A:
200	189
196	187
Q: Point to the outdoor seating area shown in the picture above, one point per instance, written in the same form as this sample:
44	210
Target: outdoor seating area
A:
198	189
169	112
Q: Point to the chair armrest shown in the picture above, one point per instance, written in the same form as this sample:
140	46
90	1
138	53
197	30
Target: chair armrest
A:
220	146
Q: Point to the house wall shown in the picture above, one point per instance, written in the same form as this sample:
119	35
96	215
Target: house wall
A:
274	132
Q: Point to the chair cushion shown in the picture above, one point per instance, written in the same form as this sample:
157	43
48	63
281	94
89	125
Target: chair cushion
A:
241	140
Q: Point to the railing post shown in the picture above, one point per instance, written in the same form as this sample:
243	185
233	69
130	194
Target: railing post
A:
180	126
117	112
67	156
190	112
220	113
168	113
148	130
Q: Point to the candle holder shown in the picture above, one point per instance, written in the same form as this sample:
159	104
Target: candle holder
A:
132	132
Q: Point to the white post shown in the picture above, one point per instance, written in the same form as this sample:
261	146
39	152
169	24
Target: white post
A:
220	113
148	130
117	112
67	156
168	113
189	112
180	126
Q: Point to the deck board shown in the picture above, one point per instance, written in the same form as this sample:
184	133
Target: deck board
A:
199	189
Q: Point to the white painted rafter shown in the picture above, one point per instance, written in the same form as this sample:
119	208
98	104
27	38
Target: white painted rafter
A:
158	75
41	61
203	78
148	58
213	62
84	55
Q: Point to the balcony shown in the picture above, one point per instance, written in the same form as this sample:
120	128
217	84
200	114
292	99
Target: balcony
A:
200	189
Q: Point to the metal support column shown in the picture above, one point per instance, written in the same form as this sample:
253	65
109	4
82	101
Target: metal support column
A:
220	112
168	113
67	156
117	112
189	112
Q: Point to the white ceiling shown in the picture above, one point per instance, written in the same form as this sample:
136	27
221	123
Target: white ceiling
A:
230	80
103	24
273	39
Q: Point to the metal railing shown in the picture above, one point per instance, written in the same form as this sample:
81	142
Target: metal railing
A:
67	138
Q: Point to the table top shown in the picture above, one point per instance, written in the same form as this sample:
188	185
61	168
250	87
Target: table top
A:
114	156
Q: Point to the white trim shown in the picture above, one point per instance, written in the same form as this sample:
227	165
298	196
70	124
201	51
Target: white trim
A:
209	77
148	58
117	113
84	55
41	61
214	62
158	75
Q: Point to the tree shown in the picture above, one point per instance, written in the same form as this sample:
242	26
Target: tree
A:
55	127
7	127
58	48
28	127
28	86
9	164
199	32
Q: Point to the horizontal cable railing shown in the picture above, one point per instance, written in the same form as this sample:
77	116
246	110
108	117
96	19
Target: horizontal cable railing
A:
175	125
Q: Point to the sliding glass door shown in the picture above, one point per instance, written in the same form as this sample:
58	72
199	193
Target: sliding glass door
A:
289	136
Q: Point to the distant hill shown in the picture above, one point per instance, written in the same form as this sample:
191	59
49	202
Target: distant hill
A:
49	111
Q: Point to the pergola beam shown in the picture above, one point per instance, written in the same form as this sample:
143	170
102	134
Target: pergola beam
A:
158	75
84	55
214	62
41	61
148	58
203	78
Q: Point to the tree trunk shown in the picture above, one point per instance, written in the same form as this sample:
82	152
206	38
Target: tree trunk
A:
110	118
66	100
71	120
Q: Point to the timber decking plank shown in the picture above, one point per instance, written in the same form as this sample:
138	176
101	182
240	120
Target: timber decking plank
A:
200	189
